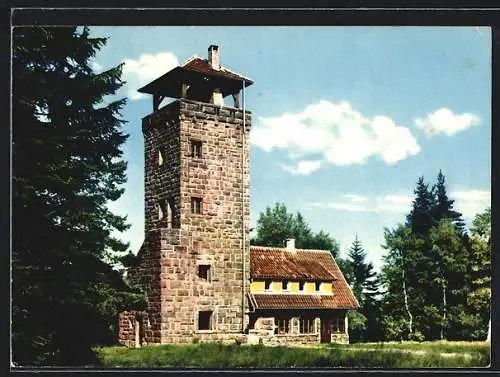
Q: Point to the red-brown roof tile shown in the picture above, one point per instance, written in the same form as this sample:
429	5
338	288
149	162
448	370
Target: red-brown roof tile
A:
302	301
279	263
201	65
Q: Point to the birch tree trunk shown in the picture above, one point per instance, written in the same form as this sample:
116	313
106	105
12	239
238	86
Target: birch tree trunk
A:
444	310
410	323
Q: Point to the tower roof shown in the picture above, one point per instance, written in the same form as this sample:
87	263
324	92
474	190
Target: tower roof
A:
196	71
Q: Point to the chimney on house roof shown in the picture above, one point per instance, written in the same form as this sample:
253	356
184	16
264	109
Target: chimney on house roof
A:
213	57
290	243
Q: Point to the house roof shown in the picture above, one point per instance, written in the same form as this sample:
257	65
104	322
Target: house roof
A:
196	71
300	264
280	263
338	300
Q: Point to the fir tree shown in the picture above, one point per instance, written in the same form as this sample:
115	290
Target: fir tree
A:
443	205
420	218
365	285
67	164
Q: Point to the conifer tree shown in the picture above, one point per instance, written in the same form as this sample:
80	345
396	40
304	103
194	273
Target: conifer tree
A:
67	164
443	205
420	218
365	285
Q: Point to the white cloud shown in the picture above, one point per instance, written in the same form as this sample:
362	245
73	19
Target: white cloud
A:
342	135
357	203
145	69
304	167
355	198
350	207
471	202
445	121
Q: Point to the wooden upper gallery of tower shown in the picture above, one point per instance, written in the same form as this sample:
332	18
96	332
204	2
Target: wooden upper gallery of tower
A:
204	80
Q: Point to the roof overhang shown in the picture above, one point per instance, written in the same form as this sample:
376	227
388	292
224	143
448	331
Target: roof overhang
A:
170	84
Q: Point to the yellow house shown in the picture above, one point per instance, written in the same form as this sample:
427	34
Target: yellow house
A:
297	296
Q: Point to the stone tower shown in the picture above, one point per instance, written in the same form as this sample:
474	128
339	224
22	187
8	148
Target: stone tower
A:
194	262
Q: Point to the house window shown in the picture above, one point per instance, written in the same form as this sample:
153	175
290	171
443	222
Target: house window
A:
301	285
205	320
204	272
196	205
306	325
196	148
317	286
282	325
338	325
285	285
267	285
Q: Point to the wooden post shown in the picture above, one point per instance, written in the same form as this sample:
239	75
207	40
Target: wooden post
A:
184	90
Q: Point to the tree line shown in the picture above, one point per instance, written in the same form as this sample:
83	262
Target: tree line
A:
435	279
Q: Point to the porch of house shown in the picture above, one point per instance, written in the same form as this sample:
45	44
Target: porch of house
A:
298	327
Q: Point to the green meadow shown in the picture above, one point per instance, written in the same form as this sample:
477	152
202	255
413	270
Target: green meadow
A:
362	355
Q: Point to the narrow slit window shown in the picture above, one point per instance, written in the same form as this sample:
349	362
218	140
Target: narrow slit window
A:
196	148
301	285
196	204
161	157
205	320
204	272
285	285
267	285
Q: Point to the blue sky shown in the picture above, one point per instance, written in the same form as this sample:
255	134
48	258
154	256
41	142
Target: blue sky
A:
345	119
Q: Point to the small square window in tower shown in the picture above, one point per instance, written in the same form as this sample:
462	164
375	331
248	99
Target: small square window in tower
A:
196	205
204	272
205	320
196	148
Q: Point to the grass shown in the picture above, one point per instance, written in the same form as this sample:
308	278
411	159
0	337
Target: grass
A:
366	355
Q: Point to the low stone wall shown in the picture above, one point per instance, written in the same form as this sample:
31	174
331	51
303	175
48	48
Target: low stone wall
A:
341	338
290	339
131	328
224	338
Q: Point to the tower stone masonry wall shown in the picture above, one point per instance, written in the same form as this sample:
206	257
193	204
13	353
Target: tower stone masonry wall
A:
172	251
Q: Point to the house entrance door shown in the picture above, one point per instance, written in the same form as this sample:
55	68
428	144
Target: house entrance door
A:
326	330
